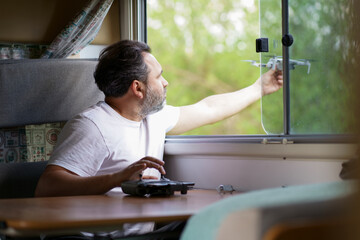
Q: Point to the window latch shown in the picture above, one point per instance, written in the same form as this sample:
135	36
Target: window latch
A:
278	141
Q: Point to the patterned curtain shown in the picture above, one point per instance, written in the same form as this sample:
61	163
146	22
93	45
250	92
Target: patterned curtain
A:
80	32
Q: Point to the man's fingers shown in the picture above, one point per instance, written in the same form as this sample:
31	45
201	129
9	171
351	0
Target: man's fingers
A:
157	166
138	167
148	162
152	159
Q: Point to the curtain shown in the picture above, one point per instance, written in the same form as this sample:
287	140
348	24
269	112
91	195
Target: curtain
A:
80	32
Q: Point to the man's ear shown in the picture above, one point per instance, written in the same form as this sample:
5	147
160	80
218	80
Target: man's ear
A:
138	88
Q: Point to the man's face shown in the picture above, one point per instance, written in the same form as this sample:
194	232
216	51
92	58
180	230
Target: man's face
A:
155	95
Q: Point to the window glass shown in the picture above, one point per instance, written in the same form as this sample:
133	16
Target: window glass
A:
320	55
271	28
202	46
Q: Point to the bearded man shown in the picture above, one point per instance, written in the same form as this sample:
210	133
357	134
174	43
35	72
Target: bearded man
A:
122	137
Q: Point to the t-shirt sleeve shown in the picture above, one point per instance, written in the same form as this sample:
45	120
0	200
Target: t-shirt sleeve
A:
81	148
170	117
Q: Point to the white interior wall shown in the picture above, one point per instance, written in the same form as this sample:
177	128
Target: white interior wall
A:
250	169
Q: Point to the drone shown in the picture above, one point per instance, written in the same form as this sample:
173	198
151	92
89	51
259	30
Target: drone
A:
276	62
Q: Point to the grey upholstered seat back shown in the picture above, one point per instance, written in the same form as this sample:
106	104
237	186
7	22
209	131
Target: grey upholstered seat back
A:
34	91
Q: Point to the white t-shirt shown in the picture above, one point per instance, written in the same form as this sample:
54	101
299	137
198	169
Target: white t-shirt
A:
100	141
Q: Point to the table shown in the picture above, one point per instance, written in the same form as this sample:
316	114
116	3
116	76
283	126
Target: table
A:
52	215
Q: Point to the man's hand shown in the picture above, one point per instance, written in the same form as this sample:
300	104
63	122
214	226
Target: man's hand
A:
133	171
58	181
270	81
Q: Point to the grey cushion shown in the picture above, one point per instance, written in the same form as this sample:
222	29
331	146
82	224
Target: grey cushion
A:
34	91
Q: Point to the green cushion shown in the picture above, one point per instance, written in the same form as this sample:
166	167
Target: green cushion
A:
206	223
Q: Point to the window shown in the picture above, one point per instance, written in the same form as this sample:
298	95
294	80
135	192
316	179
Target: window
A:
319	81
204	46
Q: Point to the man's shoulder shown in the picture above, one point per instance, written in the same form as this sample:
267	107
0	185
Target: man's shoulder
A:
96	108
86	119
97	112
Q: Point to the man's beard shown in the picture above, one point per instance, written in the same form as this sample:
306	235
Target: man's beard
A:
153	102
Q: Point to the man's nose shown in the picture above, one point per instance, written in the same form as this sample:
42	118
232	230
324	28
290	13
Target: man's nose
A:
165	83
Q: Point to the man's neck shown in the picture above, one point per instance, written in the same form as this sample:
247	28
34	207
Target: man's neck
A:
125	108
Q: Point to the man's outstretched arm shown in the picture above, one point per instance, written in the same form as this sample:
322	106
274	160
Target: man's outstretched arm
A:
221	106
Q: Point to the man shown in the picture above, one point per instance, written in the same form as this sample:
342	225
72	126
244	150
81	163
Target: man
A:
122	138
118	139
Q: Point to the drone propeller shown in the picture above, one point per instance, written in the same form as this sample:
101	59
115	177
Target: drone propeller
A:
276	62
308	60
253	62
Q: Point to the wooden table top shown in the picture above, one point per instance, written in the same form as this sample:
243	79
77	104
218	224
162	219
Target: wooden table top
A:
77	212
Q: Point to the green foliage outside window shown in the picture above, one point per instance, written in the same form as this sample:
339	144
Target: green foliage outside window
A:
320	101
201	46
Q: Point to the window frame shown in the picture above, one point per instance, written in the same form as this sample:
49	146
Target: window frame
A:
133	22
